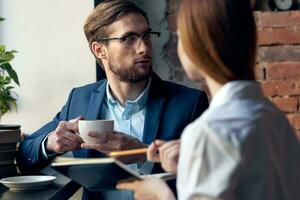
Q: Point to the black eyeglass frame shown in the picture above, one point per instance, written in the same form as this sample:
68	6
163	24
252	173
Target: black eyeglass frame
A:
123	38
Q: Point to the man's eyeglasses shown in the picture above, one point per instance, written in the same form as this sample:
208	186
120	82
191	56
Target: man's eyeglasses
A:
133	39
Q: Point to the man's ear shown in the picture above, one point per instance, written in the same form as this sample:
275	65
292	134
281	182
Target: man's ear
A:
99	50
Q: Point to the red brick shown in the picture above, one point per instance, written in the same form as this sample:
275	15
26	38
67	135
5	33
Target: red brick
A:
295	120
287	35
278	19
279	53
299	104
282	70
281	87
172	22
287	104
269	88
288	87
259	73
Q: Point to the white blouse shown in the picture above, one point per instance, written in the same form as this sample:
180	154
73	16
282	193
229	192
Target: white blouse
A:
242	147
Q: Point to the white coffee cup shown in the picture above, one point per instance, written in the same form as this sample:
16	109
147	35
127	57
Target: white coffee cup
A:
85	126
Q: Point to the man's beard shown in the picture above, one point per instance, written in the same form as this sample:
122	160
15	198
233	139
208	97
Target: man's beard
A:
132	75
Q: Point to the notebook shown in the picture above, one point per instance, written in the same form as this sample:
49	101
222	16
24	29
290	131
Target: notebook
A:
99	174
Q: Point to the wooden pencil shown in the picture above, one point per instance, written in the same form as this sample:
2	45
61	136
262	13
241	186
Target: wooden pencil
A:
128	152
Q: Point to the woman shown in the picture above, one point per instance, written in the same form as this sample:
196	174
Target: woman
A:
242	147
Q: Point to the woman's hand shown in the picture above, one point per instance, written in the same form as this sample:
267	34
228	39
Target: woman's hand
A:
165	152
148	189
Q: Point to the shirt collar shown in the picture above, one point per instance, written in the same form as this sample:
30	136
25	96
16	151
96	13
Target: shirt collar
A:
138	104
236	89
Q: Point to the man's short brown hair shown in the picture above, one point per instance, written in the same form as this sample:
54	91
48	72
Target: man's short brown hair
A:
105	14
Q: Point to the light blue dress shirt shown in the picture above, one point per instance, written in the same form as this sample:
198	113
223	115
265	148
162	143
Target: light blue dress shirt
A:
129	119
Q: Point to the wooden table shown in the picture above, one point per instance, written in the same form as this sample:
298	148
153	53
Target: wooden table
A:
62	188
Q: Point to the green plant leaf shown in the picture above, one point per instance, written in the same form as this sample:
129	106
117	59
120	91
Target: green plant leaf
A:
6	56
2	49
11	73
2	19
7	74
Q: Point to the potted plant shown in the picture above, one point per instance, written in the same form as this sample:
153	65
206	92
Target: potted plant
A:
7	74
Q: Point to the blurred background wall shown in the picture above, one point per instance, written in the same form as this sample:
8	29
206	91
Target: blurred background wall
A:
53	55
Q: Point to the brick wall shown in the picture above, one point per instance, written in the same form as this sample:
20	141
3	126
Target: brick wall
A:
278	60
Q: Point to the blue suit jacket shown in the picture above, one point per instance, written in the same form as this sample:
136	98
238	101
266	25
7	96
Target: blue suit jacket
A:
170	107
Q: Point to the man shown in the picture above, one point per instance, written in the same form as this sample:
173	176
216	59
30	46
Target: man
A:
143	106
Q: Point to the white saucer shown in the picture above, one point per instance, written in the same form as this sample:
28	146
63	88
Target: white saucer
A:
19	183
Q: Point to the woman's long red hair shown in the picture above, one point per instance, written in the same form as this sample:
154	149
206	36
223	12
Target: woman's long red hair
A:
219	36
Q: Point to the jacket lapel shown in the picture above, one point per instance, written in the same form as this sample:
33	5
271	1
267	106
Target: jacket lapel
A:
94	107
96	101
156	101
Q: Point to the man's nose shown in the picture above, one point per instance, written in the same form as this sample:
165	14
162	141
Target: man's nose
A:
142	46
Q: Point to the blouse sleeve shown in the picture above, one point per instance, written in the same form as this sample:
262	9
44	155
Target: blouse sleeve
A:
208	164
